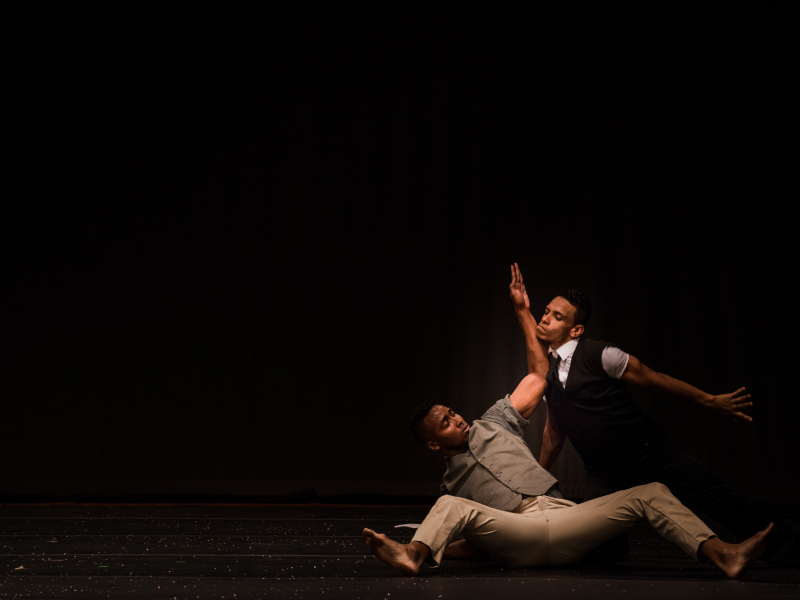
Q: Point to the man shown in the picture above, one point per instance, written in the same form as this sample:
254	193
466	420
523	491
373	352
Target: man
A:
489	462
588	401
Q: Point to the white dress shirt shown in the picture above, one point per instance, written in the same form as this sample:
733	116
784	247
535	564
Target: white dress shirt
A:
614	361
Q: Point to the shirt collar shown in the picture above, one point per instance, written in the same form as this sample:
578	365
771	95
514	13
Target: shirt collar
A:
566	350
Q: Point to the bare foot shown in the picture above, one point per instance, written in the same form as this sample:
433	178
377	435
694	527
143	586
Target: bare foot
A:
735	559
405	558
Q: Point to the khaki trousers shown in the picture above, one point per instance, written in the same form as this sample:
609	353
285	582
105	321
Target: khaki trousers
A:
546	531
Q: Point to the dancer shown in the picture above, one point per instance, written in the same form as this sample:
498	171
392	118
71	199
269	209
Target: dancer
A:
489	461
588	401
558	533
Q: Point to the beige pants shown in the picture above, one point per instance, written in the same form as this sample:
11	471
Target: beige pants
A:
546	531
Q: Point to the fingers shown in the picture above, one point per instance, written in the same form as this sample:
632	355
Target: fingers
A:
736	397
739	402
743	416
516	278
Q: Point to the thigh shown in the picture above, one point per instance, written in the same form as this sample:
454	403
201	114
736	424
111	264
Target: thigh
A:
575	531
513	539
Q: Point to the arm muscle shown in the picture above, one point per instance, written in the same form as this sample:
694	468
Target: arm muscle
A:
528	394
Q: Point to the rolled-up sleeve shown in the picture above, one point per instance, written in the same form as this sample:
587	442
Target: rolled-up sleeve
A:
504	414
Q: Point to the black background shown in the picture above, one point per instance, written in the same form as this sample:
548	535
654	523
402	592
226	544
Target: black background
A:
246	241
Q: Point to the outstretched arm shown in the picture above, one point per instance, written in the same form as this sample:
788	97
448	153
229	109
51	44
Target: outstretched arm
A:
537	354
726	404
552	442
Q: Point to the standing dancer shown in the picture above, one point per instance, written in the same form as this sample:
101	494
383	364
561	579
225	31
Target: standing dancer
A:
588	401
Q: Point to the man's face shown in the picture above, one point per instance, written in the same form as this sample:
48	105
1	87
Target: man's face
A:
446	430
557	325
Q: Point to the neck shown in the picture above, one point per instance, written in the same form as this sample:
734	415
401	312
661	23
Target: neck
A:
456	450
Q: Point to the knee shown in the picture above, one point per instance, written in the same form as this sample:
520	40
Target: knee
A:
656	489
445	501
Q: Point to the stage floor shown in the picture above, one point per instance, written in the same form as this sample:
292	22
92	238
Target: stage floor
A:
310	551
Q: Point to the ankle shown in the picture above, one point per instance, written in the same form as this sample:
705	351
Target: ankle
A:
418	552
711	549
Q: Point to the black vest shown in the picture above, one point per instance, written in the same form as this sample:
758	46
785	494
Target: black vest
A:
598	414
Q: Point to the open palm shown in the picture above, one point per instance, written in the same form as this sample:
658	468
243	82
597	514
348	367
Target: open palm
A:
517	290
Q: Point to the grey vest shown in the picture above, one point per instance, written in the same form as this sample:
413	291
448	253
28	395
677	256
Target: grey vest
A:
496	470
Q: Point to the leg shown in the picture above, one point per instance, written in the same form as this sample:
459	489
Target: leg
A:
561	535
574	532
517	540
703	491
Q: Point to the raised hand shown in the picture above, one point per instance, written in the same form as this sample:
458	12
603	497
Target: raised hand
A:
732	404
517	290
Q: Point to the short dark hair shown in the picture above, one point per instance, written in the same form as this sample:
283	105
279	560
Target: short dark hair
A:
417	421
583	307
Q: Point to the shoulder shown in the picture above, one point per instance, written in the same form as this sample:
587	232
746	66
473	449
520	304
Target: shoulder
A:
502	413
591	353
615	361
605	356
592	346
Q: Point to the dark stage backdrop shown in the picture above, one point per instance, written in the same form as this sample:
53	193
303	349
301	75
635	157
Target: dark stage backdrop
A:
247	242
